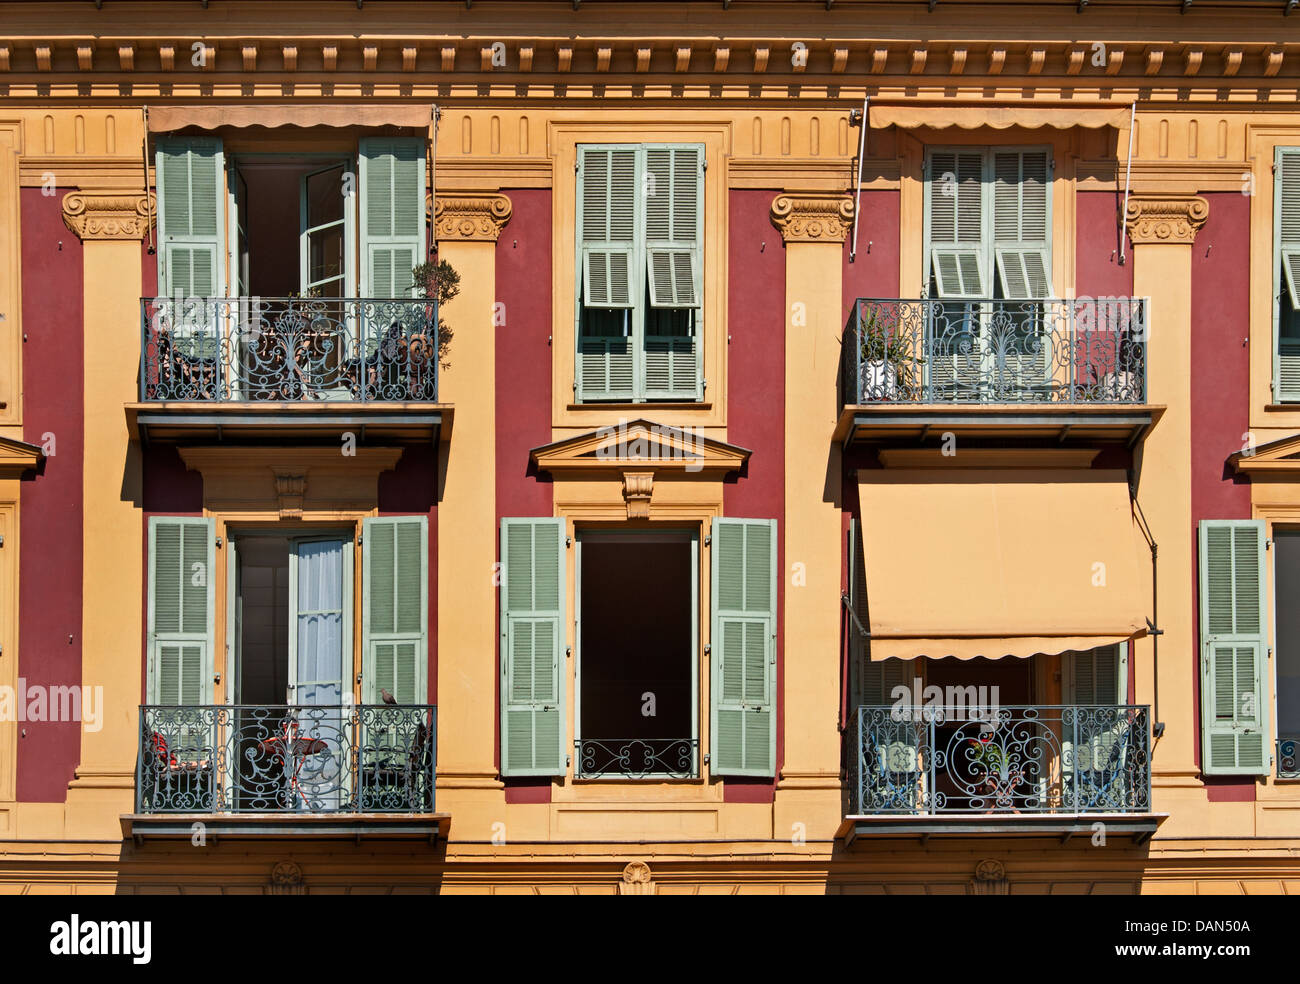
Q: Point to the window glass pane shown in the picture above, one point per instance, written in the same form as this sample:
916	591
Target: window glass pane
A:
325	197
325	256
1287	612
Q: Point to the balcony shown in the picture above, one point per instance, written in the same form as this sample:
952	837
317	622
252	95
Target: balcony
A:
988	367
242	769
230	365
1054	769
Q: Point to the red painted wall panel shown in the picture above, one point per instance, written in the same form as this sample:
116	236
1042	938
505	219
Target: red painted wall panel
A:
1097	270
523	389
50	565
756	408
1220	400
874	270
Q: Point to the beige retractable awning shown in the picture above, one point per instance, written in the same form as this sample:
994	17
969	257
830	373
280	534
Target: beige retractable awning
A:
974	562
1062	116
164	119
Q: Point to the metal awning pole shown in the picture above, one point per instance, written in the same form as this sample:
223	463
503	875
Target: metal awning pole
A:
857	202
433	181
1128	173
148	202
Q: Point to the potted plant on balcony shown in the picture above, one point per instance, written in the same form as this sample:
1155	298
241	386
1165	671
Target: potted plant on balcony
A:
881	356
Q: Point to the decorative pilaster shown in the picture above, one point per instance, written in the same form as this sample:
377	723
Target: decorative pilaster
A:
471	218
108	216
1165	218
813	218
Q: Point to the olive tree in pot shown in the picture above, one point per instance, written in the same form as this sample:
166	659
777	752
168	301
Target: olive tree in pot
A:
441	281
882	354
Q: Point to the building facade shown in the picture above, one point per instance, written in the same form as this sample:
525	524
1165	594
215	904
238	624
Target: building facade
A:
661	448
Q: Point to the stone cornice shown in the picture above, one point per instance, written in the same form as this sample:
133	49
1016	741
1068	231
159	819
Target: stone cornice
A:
813	217
471	217
1165	218
107	216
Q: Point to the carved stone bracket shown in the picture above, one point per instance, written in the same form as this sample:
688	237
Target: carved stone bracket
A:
637	488
289	491
471	218
637	880
813	218
286	879
107	216
1165	218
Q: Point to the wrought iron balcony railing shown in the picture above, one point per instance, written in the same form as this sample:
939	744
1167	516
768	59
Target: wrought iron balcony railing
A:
248	349
251	759
1042	759
1288	762
637	758
1085	350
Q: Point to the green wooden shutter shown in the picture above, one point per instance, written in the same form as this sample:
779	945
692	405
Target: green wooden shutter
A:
395	609
1233	695
191	188
1022	224
1286	263
743	688
608	279
181	610
673	189
1093	677
532	647
954	223
392	214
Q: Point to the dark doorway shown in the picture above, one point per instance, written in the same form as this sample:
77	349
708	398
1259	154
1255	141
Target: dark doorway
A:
637	641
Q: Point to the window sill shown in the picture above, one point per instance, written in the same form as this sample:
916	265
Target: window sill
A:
655	405
1282	407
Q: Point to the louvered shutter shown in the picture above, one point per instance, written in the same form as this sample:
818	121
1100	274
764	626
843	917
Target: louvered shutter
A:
392	214
395	608
674	234
607	179
1233	695
181	607
532	647
954	223
191	188
1021	224
743	688
1287	231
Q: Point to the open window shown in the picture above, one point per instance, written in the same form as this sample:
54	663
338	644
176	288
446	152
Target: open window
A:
639	269
1286	274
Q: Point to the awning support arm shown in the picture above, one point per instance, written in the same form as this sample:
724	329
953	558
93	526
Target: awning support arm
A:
148	202
862	148
848	605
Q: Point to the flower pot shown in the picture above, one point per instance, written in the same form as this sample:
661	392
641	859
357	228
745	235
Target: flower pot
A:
879	380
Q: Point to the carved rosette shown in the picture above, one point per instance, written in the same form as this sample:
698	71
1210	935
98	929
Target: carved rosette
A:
108	216
637	880
286	879
1165	218
990	878
471	218
813	218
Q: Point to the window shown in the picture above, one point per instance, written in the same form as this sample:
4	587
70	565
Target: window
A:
1234	716
988	247
1286	587
639	269
280	224
640	571
1286	271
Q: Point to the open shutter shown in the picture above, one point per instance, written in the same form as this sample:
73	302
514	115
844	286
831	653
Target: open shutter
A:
954	223
607	244
532	647
743	689
1286	224
1021	225
181	607
395	609
1233	697
191	188
392	214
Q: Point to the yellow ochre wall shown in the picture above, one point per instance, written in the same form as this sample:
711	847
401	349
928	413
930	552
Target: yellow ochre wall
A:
74	88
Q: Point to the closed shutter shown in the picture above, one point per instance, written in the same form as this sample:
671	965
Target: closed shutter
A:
191	188
1233	698
392	215
181	607
1021	224
395	609
1287	231
954	223
743	689
532	647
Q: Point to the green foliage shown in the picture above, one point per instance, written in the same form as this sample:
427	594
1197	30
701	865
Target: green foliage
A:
439	280
879	339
